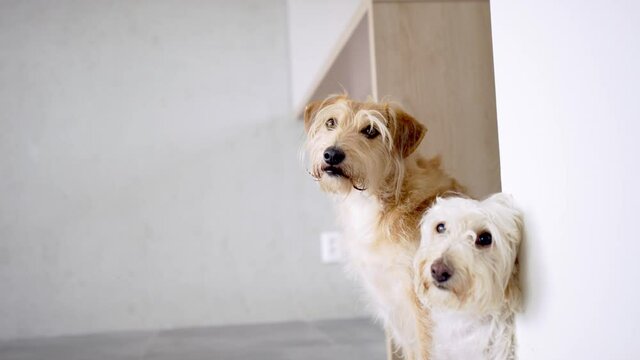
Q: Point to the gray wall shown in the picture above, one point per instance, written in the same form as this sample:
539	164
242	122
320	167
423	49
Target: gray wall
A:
149	171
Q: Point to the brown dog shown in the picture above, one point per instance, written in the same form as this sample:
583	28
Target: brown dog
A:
363	154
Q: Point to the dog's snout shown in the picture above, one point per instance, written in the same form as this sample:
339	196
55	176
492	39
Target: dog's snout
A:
333	155
440	272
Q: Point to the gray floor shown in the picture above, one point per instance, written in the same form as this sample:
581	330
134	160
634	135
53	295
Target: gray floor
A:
331	339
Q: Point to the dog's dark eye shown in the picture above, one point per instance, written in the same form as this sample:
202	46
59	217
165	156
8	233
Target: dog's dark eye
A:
370	132
484	239
331	123
440	228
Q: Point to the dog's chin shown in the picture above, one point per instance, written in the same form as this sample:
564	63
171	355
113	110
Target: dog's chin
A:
440	286
442	299
335	182
443	295
440	290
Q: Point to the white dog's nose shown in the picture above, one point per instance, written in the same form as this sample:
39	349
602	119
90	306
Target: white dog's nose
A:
440	272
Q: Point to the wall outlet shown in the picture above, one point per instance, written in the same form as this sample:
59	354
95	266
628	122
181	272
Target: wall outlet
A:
331	247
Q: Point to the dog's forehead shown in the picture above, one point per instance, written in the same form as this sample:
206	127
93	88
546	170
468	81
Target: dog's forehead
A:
359	106
356	107
462	212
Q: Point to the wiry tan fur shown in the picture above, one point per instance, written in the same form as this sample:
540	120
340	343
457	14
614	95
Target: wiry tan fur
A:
381	198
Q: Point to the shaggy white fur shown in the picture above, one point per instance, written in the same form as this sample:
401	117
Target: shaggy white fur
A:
466	273
383	274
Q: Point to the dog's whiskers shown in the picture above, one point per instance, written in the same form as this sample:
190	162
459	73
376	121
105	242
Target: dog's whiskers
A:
314	175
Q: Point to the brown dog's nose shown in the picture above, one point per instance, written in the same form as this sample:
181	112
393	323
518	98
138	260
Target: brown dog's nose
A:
333	155
440	272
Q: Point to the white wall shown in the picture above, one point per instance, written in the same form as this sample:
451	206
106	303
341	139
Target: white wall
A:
567	83
149	172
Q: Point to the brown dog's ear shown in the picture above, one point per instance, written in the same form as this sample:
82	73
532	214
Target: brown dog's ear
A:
409	133
309	113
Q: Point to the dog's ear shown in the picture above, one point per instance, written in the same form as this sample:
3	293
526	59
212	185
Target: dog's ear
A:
513	292
509	218
408	134
309	113
507	214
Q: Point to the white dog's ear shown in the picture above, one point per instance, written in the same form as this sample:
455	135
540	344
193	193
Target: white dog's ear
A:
508	219
501	199
507	215
513	292
408	132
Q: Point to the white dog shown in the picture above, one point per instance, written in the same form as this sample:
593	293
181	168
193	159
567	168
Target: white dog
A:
466	273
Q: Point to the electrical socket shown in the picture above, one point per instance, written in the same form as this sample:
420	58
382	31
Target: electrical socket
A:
331	247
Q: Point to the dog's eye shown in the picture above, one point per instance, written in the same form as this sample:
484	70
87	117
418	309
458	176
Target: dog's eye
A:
331	123
484	239
370	132
440	228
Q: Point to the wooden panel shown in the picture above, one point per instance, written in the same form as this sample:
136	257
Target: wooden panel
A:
435	58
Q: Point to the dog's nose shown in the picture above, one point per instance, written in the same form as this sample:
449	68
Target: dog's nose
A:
440	272
333	155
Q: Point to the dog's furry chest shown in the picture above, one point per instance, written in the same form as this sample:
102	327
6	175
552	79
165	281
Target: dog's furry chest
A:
457	335
369	254
382	265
